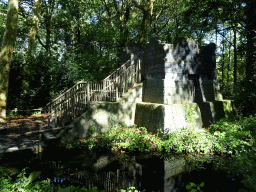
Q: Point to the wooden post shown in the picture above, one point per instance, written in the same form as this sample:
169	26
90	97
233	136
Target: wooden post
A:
40	145
116	92
55	116
72	98
88	95
125	81
139	71
85	95
104	90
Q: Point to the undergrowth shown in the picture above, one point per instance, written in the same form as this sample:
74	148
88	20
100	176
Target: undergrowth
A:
234	136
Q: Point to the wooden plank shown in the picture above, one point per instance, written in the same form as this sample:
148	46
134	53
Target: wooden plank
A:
88	94
116	93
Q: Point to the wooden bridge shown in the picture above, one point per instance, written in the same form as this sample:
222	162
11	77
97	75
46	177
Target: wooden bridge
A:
76	100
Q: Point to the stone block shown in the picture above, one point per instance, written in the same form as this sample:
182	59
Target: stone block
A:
210	90
215	110
166	117
167	91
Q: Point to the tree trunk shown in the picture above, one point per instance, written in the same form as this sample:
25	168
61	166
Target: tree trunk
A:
33	29
229	65
31	44
250	79
124	30
48	34
6	53
222	66
145	25
147	10
250	30
235	61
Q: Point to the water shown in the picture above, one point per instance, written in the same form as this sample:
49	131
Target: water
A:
167	174
55	180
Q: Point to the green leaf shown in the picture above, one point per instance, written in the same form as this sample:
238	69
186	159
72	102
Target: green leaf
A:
67	189
33	176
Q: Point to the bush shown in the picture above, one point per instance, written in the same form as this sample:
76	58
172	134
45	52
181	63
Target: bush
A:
235	136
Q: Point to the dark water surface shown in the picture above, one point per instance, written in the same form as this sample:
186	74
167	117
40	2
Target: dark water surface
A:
107	170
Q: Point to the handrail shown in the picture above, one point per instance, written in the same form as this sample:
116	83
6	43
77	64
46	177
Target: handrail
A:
117	69
65	92
73	101
86	81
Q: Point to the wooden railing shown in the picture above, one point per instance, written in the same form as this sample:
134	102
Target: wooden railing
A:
73	102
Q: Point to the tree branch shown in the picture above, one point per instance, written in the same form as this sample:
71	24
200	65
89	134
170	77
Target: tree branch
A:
25	17
137	5
163	26
41	43
224	37
116	7
105	4
109	14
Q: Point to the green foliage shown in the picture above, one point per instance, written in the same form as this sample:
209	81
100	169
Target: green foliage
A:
230	136
250	181
246	98
234	135
23	183
12	114
47	79
189	116
240	133
3	11
131	138
130	189
164	134
191	186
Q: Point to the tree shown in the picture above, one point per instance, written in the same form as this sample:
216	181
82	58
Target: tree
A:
3	10
33	29
31	43
6	53
250	80
156	15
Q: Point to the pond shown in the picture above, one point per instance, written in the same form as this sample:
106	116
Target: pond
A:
113	171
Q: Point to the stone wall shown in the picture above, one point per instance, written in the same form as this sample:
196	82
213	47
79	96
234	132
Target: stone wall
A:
179	73
169	72
167	61
161	61
103	116
167	118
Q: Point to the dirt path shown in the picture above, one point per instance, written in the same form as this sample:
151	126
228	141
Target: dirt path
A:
22	132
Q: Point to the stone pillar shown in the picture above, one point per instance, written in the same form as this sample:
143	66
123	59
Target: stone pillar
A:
166	70
170	74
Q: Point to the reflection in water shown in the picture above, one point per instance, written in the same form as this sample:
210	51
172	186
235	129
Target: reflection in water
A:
169	174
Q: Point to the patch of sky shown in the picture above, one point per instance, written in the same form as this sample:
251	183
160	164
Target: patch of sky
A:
61	50
93	19
26	7
4	2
